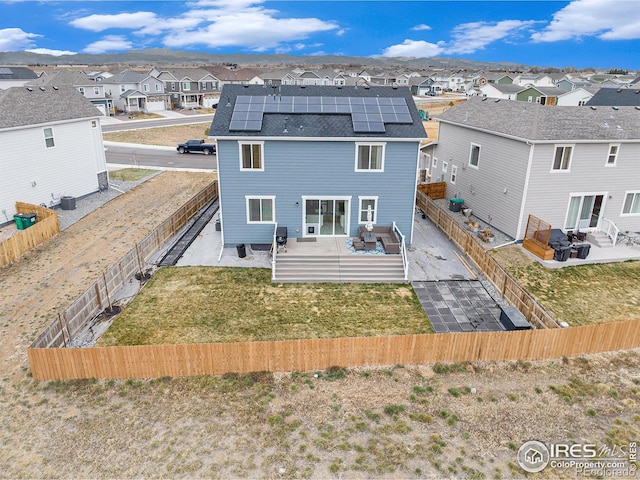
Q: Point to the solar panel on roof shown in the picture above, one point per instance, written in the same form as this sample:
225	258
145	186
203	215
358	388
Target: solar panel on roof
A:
5	71
368	114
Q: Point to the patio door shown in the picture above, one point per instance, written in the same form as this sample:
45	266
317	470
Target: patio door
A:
584	211
325	216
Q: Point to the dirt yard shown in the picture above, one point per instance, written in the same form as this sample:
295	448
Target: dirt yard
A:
429	421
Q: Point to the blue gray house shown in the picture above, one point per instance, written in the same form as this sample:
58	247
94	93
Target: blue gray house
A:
320	160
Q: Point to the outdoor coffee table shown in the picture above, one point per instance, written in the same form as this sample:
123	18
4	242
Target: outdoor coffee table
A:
369	240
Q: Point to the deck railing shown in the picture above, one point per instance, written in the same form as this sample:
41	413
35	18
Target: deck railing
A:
611	230
274	253
403	251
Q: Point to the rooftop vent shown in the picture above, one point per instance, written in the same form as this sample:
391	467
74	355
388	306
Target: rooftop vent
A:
497	100
56	88
29	89
42	89
615	108
593	108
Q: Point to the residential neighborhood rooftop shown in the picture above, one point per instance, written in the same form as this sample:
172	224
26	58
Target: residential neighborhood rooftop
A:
268	119
534	122
21	106
616	97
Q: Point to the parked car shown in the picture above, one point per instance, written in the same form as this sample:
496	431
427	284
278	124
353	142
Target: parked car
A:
196	146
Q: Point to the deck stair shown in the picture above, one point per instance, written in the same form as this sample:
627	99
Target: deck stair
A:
337	268
601	239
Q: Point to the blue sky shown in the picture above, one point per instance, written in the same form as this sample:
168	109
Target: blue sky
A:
578	33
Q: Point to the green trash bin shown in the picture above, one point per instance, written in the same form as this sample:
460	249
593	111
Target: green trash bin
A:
24	220
455	204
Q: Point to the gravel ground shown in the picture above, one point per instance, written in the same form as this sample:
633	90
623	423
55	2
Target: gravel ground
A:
88	204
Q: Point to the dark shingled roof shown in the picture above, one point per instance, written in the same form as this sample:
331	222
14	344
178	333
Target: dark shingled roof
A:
616	97
21	106
531	121
17	73
310	125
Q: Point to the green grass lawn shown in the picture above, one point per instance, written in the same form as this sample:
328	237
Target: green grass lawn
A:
582	294
211	304
131	174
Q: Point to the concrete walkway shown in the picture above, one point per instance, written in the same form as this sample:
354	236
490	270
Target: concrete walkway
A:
431	257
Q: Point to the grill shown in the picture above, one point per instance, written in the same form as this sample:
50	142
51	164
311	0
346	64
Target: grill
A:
281	237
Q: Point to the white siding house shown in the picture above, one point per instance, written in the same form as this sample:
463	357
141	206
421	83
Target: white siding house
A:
570	166
51	143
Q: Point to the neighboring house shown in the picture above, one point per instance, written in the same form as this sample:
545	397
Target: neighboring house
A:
575	98
89	88
278	77
613	97
314	159
235	76
424	86
541	80
188	87
503	91
541	95
51	144
568	84
15	77
136	92
499	78
570	166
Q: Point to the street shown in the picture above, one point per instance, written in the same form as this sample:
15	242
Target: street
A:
161	157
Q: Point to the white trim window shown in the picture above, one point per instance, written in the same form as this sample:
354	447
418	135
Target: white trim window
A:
474	156
612	157
186	86
157	87
96	90
363	204
631	203
81	90
48	137
454	174
251	156
434	165
369	157
562	158
445	166
261	209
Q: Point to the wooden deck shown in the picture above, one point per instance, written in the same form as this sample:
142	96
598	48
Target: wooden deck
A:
328	259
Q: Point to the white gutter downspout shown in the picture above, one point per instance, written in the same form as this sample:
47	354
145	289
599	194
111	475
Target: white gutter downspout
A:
525	189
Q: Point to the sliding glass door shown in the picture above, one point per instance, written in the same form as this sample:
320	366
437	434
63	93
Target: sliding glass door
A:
584	211
325	216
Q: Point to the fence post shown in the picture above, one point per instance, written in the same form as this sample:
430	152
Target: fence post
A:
64	340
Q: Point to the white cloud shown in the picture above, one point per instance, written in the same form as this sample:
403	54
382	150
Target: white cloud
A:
16	39
466	38
214	23
413	48
109	43
255	28
421	27
470	37
48	51
605	19
99	23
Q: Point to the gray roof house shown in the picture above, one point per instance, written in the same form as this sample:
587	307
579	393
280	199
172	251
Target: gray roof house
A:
573	167
616	97
136	92
15	76
60	151
87	86
322	161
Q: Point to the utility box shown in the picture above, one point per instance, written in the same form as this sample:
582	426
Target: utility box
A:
68	203
512	319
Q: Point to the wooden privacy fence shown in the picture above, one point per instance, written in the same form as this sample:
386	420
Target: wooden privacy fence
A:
471	246
315	354
46	226
434	190
97	297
